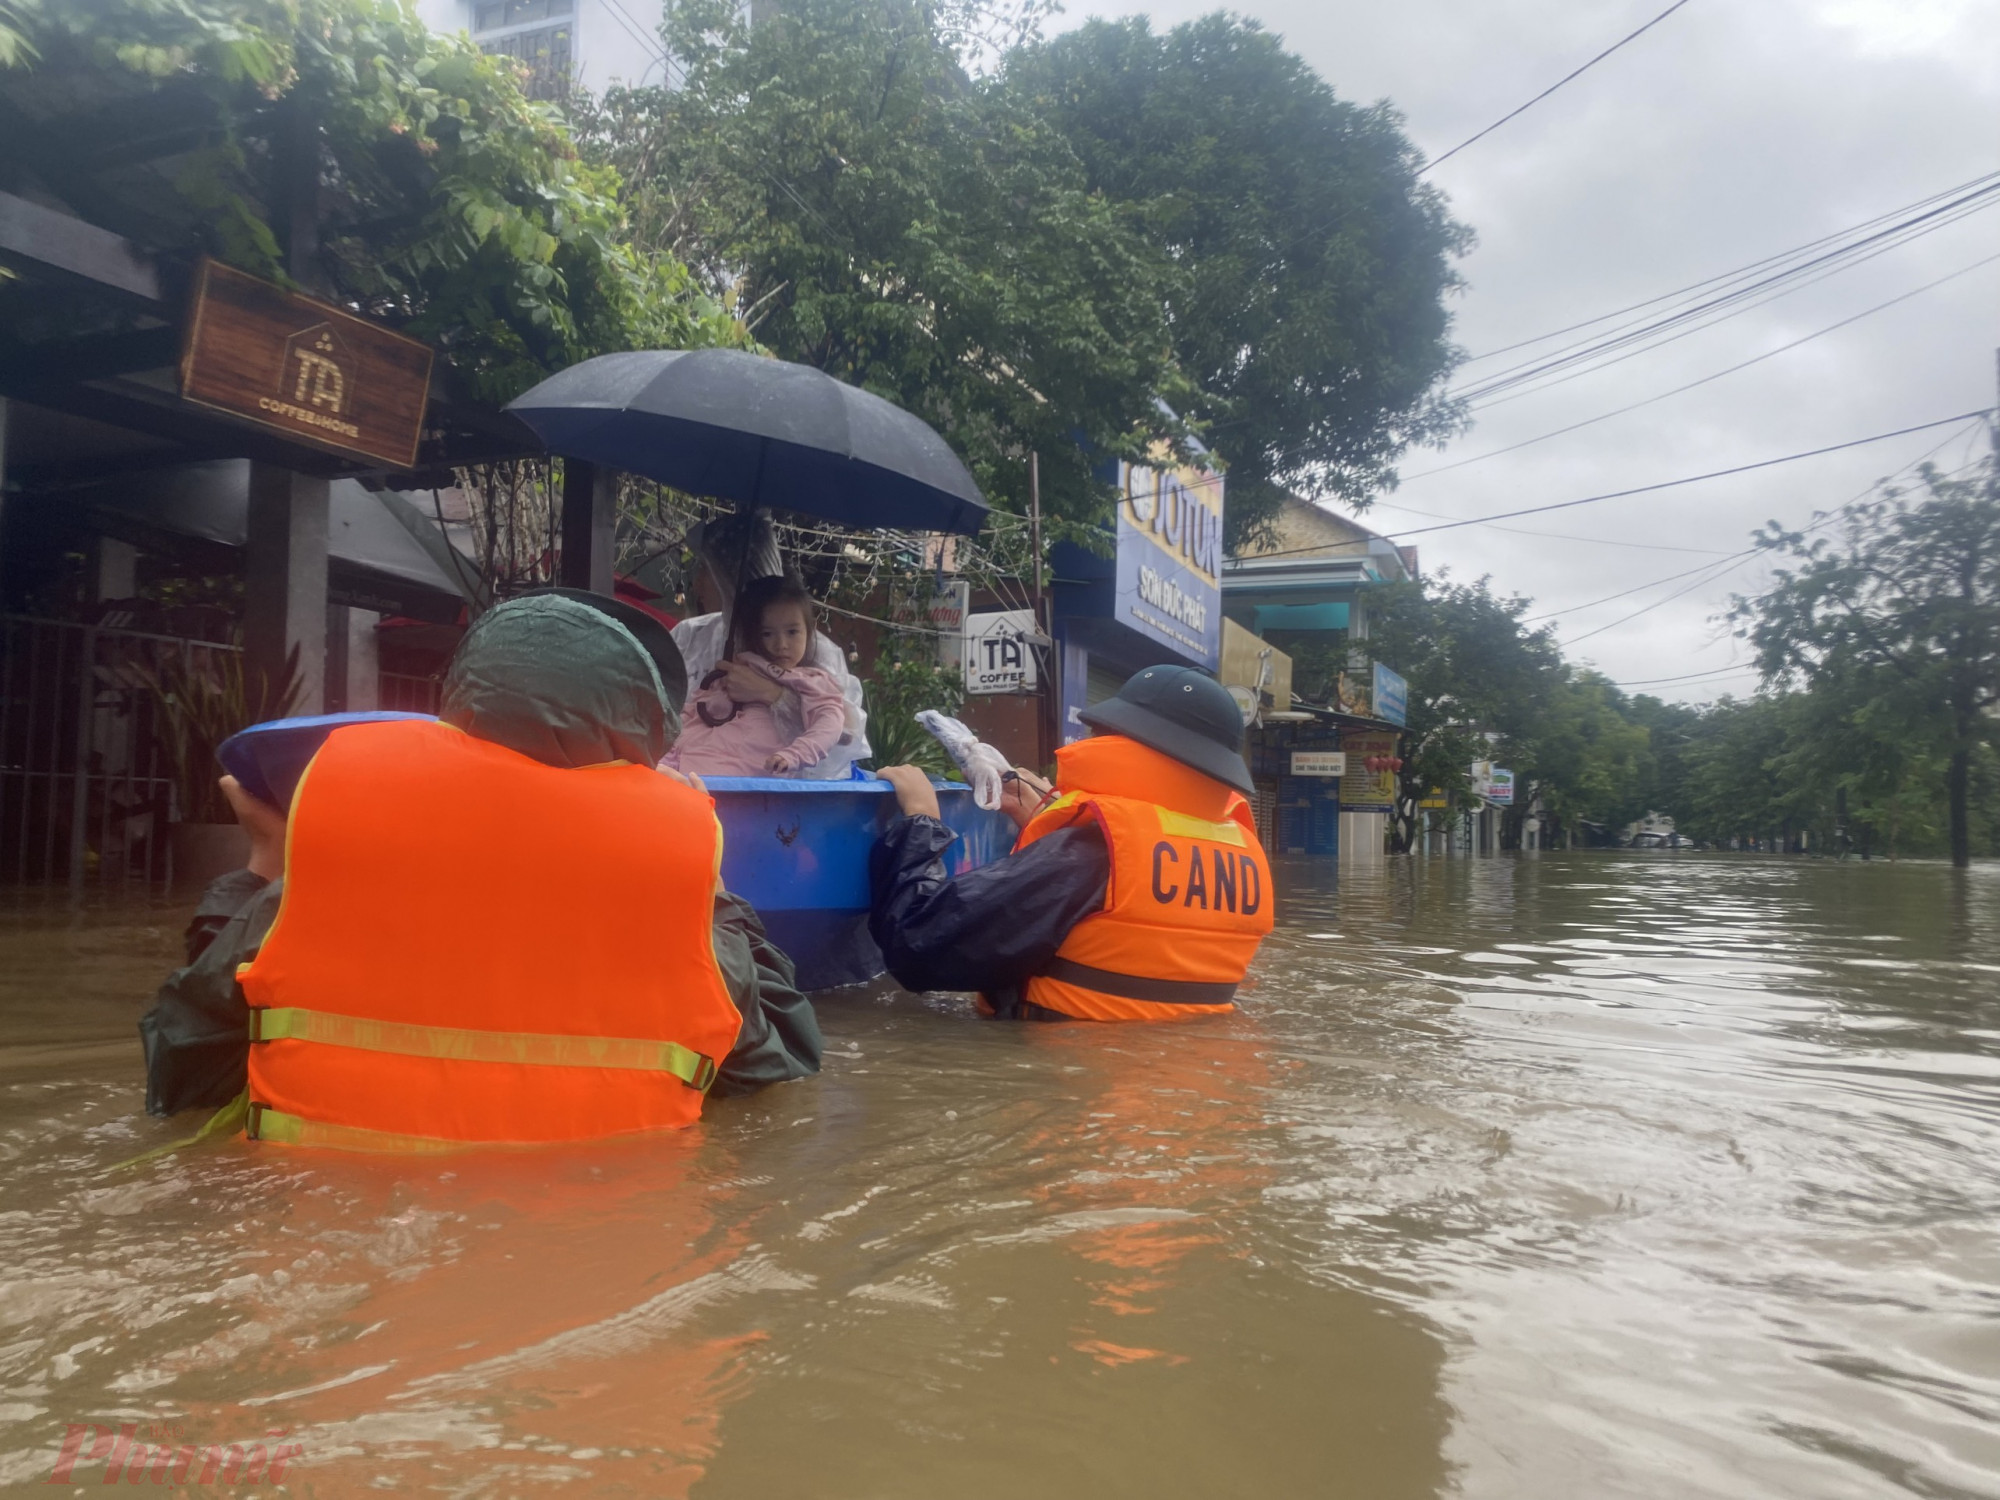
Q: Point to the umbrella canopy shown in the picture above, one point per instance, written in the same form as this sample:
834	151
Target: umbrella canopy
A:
758	431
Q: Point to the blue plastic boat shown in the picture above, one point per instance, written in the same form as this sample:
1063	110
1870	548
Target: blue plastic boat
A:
795	850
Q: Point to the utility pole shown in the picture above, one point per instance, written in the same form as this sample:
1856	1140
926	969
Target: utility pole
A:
1047	732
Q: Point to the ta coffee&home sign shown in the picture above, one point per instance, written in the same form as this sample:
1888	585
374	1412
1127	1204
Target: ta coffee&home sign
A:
998	656
314	372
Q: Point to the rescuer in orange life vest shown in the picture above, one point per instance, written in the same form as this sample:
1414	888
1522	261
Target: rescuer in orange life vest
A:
502	926
1136	892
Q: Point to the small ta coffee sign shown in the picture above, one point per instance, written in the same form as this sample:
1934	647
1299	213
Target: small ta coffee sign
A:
997	655
314	372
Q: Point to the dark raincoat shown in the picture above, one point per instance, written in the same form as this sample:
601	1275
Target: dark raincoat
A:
567	686
991	929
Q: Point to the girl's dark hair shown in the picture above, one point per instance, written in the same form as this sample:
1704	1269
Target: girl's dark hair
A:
746	617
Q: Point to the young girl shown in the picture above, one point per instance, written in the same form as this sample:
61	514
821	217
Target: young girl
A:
770	631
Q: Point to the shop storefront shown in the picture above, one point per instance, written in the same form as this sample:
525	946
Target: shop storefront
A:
1157	599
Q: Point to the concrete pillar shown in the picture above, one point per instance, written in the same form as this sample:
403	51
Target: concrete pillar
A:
589	526
284	603
353	661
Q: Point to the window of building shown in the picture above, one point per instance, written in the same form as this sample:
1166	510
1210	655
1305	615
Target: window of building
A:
545	53
491	15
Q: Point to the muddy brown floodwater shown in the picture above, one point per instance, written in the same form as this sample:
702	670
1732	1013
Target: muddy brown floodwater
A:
1586	1176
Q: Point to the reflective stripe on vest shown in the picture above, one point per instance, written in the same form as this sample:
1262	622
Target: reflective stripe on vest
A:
267	1124
541	1049
1188	899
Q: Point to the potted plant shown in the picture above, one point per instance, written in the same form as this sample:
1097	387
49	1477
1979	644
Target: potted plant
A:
200	698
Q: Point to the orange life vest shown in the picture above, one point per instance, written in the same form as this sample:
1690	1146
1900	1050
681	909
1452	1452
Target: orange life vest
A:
1189	898
473	946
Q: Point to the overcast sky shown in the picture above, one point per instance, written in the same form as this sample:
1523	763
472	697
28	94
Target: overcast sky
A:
1733	130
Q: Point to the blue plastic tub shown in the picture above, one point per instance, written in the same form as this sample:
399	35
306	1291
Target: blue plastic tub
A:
268	759
795	850
798	852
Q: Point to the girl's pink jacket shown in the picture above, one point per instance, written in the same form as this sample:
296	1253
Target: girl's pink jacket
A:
745	742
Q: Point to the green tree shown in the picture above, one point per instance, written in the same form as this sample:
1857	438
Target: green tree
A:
446	203
1733	790
875	211
1478	682
1586	755
1669	727
1308	263
1903	601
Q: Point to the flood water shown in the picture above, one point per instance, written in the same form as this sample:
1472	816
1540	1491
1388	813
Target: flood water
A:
1587	1175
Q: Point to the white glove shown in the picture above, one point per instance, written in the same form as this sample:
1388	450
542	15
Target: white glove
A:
982	764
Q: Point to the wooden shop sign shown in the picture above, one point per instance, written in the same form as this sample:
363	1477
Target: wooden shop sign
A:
311	371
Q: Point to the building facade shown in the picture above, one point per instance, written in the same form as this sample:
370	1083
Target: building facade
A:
564	43
1322	761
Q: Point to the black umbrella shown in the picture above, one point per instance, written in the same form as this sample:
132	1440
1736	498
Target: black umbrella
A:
760	431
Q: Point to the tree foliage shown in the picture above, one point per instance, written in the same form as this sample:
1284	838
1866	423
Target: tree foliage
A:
1306	263
448	203
873	210
1894	619
1482	686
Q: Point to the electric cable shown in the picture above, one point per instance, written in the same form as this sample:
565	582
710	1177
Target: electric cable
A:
1645	489
1569	77
1825	518
1704	380
1649	608
1668	484
1685	676
633	29
1596	353
1556	536
1638	588
1731	275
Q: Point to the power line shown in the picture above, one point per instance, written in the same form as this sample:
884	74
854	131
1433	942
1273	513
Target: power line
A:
1704	380
632	28
1825	519
1668	484
1643	335
1688	676
1639	588
1557	536
1644	489
1657	603
1317	230
1566	78
1726	276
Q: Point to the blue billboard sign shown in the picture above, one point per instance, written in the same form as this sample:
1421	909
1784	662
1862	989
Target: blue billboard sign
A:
1169	577
1391	696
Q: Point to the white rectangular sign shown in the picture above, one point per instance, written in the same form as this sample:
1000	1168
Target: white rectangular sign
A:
997	658
1319	762
946	615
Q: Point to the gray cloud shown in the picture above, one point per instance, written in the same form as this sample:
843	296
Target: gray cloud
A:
1729	132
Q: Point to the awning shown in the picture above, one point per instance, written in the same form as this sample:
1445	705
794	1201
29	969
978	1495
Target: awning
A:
383	551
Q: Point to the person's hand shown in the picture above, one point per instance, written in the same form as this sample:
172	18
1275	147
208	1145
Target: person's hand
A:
685	778
781	763
265	825
1023	795
745	684
914	793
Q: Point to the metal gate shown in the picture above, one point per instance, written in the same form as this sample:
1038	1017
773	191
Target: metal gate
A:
85	794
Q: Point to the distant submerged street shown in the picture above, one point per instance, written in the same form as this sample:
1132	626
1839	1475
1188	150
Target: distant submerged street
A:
1595	1175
